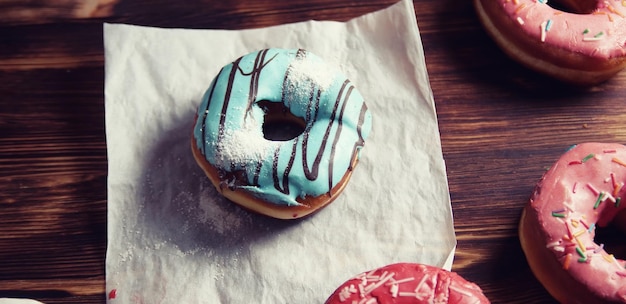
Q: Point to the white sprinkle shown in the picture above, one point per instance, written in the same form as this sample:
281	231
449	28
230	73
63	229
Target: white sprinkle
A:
369	288
346	292
382	281
597	156
363	280
382	275
555	243
394	290
420	296
588	39
543	31
520	20
361	291
419	285
401	281
461	291
408	294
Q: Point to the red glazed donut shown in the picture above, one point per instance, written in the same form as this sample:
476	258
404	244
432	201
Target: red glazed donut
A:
582	190
407	283
585	47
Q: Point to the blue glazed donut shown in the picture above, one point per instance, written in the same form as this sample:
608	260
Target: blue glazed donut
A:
281	178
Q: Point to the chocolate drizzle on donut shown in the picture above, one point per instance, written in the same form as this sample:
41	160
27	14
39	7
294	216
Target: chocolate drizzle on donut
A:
284	188
206	110
298	88
229	89
339	127
308	173
259	64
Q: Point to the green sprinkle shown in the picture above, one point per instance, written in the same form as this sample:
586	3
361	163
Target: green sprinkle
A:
618	201
556	214
598	35
588	157
580	252
597	204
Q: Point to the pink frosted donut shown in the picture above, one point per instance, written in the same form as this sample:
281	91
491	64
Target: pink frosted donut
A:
408	283
581	191
585	46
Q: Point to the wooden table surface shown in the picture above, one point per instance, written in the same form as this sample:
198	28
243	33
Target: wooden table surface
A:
501	127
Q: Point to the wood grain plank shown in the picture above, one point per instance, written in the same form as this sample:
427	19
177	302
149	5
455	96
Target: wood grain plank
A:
68	288
51	46
241	14
501	126
42	11
52	184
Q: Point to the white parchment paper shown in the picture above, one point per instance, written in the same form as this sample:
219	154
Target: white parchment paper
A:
173	239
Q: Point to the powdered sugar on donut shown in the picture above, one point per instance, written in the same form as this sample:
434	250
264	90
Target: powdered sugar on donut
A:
245	145
312	71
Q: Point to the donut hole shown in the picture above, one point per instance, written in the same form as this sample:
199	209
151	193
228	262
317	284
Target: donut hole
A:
613	241
612	236
574	6
279	124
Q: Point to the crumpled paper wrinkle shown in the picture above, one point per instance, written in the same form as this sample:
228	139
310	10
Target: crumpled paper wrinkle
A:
173	239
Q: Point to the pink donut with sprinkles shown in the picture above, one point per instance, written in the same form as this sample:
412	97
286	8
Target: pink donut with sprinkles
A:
581	191
586	45
408	283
